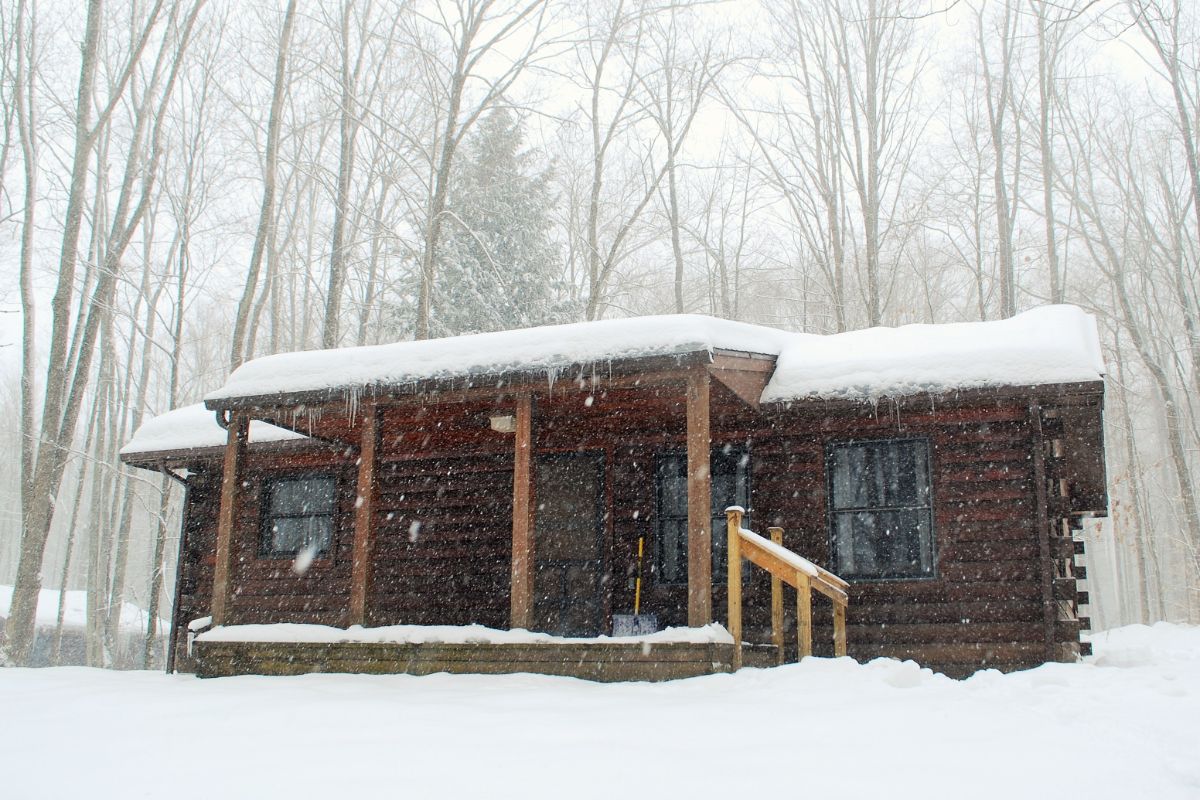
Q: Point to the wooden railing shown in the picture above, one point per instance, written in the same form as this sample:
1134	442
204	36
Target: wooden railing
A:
785	567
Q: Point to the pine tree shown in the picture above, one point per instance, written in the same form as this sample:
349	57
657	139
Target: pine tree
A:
499	267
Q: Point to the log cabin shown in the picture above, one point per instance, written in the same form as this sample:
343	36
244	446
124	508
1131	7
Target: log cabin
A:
527	488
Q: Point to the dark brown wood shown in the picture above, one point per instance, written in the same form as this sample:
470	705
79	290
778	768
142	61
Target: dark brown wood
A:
235	451
1082	440
1042	529
745	377
699	490
446	490
521	615
363	557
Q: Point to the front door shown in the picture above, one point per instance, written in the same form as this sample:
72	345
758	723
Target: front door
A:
568	544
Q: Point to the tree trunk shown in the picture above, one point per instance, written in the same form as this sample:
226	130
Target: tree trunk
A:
266	211
348	130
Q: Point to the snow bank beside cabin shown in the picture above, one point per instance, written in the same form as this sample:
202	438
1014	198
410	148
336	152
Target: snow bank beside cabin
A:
442	634
1051	344
194	427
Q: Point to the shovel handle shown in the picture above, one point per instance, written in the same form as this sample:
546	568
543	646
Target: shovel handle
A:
637	586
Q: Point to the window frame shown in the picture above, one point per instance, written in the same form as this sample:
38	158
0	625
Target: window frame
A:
743	450
266	540
832	513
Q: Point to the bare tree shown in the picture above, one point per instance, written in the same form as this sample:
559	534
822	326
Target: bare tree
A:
677	78
456	48
270	168
64	391
1000	100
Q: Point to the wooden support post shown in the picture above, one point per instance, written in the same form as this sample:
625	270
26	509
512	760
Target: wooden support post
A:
839	629
699	490
803	616
733	526
365	504
777	602
235	456
521	611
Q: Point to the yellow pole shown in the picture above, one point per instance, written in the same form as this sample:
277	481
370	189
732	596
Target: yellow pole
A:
733	552
637	590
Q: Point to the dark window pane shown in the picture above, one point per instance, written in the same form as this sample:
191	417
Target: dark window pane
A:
849	469
672	551
293	534
881	516
730	485
299	515
299	496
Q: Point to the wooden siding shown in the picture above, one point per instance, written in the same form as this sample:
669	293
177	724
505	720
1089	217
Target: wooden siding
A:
444	542
444	505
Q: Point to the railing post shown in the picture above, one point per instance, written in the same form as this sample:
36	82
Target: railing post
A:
839	629
733	552
777	602
803	616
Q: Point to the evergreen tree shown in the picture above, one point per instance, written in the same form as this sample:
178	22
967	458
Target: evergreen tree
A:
498	265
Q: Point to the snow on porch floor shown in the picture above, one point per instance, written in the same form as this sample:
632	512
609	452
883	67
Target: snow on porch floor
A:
1124	724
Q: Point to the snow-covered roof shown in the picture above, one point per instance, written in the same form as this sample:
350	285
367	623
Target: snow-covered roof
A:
192	427
1050	344
549	349
1046	345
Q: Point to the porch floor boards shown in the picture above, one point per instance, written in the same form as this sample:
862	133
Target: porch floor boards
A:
596	661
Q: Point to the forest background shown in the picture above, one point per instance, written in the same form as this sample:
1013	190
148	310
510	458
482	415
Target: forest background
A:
186	184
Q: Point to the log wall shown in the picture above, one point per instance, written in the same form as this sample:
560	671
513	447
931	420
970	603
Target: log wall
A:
1003	596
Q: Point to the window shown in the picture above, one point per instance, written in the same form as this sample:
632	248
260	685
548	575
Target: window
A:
730	467
880	509
299	515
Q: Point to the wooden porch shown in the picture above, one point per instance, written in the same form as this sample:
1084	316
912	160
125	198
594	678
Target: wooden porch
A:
665	402
597	660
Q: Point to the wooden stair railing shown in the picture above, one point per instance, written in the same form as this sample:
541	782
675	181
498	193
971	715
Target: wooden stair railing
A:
785	567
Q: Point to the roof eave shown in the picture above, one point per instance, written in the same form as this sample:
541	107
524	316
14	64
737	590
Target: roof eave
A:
1085	390
507	380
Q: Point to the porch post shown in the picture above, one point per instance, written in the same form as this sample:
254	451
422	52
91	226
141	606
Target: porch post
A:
699	493
364	514
235	455
521	613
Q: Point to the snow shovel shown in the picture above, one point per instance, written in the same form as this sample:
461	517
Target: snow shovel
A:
637	623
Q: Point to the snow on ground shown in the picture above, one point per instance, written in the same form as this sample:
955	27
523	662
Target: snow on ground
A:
1124	724
75	609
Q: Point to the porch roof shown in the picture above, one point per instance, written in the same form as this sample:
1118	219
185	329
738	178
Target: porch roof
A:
1046	345
191	428
550	352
